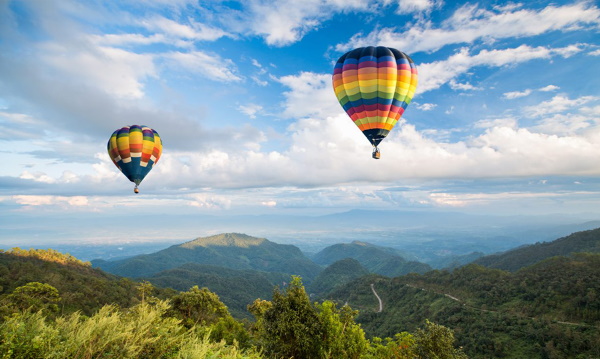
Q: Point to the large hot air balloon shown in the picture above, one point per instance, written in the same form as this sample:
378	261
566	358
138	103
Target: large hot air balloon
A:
134	150
374	85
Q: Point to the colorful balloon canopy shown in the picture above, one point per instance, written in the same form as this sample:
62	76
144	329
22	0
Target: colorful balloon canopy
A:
134	150
374	85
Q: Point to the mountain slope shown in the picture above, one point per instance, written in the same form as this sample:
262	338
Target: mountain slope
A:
236	288
585	241
336	275
546	310
81	287
381	260
230	250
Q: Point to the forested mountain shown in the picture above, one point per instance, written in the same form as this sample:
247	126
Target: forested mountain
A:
381	260
236	288
585	241
336	275
230	250
191	324
548	310
81	287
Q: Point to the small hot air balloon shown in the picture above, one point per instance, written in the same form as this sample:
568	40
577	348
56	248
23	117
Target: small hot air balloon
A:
374	85
134	150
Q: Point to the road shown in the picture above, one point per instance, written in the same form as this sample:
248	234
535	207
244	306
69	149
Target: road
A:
379	299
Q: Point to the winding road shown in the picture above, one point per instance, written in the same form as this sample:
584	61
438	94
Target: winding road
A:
379	299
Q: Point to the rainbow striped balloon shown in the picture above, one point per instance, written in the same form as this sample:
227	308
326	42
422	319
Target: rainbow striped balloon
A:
134	150
374	85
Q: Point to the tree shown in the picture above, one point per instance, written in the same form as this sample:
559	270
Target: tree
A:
341	337
291	326
198	306
436	342
35	296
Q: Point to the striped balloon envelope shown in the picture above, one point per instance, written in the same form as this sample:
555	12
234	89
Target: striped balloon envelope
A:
134	150
374	85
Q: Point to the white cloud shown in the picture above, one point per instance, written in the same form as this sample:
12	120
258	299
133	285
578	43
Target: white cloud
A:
32	200
269	203
210	201
549	88
426	106
415	6
287	21
463	86
558	104
433	75
174	29
310	95
470	23
251	109
210	66
113	70
516	94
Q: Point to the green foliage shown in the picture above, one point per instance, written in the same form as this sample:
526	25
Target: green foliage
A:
236	288
80	286
550	309
144	331
32	297
436	342
48	255
198	306
290	325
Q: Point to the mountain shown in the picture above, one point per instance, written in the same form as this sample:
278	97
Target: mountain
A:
80	286
336	275
547	310
585	241
230	250
236	288
381	260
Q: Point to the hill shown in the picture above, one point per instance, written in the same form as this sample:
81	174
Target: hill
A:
585	241
336	275
381	260
80	286
546	310
230	250
236	288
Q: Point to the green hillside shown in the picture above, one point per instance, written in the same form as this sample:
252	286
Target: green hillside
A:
585	241
230	250
236	288
336	275
548	310
381	260
81	287
39	320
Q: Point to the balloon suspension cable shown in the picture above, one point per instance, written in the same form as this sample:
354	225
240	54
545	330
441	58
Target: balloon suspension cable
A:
136	190
376	153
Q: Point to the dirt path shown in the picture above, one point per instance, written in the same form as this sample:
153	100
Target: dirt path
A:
379	299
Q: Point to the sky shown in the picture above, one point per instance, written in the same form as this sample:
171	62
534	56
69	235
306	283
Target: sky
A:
504	119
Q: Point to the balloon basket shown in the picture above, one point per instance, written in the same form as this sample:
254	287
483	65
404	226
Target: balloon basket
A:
376	154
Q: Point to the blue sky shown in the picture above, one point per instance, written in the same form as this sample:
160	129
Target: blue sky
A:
504	119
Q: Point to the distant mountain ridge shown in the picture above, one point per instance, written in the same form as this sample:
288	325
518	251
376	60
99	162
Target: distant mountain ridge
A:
584	241
377	259
230	250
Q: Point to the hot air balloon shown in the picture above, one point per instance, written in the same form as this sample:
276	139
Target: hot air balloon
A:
374	85
134	150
